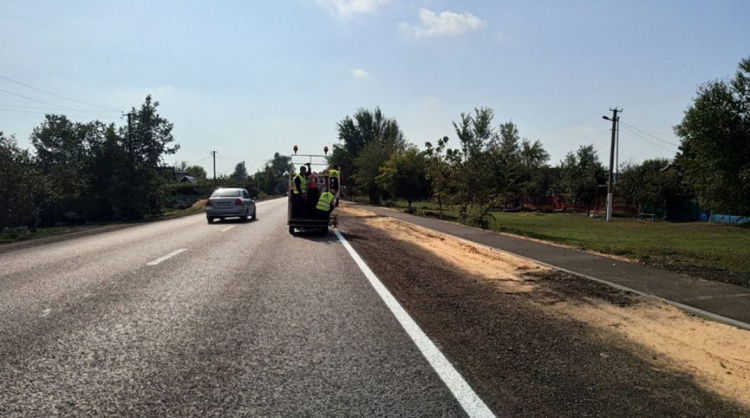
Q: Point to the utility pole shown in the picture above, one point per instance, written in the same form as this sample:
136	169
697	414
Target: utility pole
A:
214	154
130	137
615	120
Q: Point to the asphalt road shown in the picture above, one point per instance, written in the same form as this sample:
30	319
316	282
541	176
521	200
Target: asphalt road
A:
242	320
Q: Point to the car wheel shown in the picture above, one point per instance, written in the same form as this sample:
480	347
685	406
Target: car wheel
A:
245	215
254	216
291	230
210	219
324	231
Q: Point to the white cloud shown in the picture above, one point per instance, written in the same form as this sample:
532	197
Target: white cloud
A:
445	23
360	73
349	8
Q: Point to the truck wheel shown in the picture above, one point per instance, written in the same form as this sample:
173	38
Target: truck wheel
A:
210	220
291	230
324	231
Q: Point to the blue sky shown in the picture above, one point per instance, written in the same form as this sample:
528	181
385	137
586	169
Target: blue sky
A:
250	78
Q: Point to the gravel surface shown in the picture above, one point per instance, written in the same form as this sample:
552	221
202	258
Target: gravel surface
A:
522	359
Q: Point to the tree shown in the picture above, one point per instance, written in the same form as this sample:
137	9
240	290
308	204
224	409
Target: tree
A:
403	176
714	155
139	182
63	154
240	172
440	170
197	171
23	187
654	186
581	174
475	183
368	139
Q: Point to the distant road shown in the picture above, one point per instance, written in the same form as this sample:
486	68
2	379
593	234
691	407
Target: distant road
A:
182	318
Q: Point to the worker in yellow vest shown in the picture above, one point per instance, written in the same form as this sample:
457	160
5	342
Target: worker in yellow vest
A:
325	204
299	193
334	176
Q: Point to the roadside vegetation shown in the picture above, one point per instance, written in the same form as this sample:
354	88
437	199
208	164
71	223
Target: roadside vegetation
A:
489	176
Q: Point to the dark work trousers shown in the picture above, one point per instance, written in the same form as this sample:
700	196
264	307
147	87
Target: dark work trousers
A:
298	206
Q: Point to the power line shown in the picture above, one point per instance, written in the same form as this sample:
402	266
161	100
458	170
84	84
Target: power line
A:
657	99
58	95
54	105
647	140
652	136
577	138
567	124
46	113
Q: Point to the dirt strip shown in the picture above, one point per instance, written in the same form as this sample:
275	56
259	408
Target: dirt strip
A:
537	341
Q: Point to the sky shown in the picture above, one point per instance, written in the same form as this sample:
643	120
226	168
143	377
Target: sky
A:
250	78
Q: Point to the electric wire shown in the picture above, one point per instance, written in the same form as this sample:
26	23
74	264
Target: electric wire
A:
59	95
72	115
652	136
54	105
648	140
577	138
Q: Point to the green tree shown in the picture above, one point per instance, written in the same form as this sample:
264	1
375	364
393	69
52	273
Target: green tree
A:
714	155
197	171
23	187
581	173
240	172
139	179
475	182
654	186
404	176
63	153
368	139
441	167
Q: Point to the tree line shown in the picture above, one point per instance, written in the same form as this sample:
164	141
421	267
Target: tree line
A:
78	172
492	166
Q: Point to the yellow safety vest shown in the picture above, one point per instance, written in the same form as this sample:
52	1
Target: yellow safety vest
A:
324	203
302	184
334	173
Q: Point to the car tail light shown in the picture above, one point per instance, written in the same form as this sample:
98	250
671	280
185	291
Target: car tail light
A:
208	202
238	202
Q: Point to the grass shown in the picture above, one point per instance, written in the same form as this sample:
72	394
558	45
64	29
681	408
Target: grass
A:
714	251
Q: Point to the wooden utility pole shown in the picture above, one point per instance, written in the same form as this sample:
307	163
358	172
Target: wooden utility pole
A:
615	120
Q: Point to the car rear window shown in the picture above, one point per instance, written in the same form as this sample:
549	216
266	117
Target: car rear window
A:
226	193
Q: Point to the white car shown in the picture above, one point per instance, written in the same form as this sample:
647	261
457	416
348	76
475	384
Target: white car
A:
230	203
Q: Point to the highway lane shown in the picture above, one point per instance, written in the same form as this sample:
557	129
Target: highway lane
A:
246	320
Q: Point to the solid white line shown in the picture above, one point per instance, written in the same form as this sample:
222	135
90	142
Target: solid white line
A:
466	396
166	257
228	228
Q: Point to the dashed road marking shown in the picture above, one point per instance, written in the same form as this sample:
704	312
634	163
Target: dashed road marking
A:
465	395
45	313
228	228
166	257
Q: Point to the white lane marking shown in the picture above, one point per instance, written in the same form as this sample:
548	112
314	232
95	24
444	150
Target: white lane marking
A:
166	257
228	228
45	313
465	395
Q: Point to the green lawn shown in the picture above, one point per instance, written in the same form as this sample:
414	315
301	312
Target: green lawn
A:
713	251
